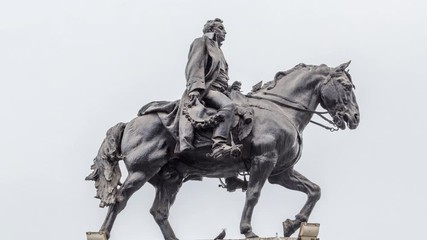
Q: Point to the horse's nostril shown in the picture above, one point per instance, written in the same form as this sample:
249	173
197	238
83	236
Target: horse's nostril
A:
356	116
346	118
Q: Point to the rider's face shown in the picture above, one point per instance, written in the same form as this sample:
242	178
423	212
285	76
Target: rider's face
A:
220	32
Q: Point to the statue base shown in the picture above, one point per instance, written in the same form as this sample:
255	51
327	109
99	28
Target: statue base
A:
96	236
268	238
308	231
277	238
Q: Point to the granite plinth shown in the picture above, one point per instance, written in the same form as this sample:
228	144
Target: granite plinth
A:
96	236
267	238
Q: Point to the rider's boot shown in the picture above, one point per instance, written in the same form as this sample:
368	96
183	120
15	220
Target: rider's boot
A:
220	148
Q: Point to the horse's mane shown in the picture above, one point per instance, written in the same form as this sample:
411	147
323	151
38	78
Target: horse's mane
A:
300	66
281	74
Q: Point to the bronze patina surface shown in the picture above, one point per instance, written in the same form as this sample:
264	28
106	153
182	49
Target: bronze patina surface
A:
215	131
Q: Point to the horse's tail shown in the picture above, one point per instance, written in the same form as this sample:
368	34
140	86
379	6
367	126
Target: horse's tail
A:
106	171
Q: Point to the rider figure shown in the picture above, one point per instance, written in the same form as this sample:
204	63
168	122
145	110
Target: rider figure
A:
207	80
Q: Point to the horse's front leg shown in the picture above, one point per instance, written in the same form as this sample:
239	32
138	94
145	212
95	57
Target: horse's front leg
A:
261	167
292	179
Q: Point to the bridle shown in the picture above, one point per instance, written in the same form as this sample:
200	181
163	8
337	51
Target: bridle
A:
341	103
286	102
298	107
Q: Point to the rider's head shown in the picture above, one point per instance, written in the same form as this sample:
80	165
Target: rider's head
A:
215	26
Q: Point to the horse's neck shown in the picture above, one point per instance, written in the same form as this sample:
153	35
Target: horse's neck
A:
301	88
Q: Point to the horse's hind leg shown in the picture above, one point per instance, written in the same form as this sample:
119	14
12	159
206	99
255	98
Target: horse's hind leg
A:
292	179
166	191
144	145
133	182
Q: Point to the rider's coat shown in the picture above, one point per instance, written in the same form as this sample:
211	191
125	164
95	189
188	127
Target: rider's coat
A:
206	65
206	69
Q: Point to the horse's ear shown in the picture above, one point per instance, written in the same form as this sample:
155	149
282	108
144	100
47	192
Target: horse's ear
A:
343	66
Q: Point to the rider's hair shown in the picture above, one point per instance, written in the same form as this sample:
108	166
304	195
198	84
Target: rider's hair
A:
210	24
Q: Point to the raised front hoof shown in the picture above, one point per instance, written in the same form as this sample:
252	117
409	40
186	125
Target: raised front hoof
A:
290	226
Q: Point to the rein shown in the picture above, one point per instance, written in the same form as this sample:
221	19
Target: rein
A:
299	107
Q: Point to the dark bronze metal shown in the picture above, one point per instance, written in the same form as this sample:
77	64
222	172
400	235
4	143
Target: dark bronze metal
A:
160	145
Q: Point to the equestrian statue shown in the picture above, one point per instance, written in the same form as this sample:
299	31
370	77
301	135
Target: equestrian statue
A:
215	131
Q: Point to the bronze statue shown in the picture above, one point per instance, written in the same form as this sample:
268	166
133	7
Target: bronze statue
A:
268	123
207	81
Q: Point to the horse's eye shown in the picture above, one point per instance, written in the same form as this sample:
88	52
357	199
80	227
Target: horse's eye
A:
348	87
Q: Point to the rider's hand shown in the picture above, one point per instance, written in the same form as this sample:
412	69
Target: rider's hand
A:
194	95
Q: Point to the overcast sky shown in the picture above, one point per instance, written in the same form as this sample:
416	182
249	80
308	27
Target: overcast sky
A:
69	70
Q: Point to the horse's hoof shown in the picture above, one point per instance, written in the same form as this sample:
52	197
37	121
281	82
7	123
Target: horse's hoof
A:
290	226
251	235
246	229
107	234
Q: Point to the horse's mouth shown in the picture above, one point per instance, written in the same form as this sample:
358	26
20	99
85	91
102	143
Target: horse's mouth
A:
339	122
342	120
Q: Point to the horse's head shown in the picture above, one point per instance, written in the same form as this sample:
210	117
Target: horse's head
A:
338	98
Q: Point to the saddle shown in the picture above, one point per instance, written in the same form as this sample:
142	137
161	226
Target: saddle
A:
203	119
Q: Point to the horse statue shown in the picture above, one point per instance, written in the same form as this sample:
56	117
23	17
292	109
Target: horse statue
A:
282	108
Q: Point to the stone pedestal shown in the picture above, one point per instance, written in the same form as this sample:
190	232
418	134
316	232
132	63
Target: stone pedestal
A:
96	236
268	238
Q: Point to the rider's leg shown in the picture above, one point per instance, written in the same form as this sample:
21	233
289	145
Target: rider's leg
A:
222	131
220	101
217	99
225	108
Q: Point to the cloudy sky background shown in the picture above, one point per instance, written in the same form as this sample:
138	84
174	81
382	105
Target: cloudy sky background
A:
69	70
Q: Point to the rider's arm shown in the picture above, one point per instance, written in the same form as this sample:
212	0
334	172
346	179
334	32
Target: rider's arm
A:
195	70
